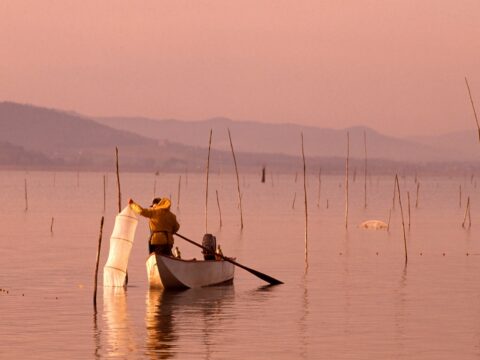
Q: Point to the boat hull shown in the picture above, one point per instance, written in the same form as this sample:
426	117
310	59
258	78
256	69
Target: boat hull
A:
172	273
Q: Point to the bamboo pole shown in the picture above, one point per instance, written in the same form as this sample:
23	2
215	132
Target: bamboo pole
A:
418	191
155	186
473	107
403	221
238	181
206	187
26	195
408	201
467	210
263	174
394	191
365	186
51	226
346	180
319	186
469	216
294	198
389	217
305	197
96	265
178	192
118	181
219	210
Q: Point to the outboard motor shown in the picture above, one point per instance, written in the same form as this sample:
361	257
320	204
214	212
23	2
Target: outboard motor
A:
210	242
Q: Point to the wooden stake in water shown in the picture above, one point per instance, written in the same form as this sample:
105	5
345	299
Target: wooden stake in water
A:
394	191
389	217
51	226
403	221
263	174
179	185
96	265
294	198
319	186
26	196
206	186
305	197
473	107
365	183
467	212
418	191
238	181
219	210
408	201
346	180
118	181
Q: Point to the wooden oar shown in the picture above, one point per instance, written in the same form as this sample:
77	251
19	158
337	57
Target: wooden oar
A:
264	277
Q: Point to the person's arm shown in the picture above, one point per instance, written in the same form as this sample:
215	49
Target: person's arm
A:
140	210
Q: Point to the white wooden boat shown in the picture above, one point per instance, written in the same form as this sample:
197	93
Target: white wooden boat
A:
173	273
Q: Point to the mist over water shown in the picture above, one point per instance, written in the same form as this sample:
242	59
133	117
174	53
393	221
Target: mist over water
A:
356	299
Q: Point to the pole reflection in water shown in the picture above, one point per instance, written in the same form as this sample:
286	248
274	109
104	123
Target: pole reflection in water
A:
120	337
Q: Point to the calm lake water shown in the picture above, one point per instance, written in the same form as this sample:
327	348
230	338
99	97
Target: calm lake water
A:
356	299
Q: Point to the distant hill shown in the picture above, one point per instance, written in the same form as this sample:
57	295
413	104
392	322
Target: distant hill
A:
36	137
258	137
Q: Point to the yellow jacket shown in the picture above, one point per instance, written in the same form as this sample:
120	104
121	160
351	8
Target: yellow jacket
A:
163	223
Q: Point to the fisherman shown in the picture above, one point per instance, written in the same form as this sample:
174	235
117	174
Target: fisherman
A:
163	224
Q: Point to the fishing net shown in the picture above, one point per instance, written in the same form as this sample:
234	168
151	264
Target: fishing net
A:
121	241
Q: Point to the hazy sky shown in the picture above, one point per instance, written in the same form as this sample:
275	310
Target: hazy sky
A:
397	66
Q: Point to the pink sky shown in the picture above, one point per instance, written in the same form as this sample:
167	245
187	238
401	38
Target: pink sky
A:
397	66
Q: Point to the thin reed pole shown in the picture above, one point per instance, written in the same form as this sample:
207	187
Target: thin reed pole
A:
346	180
178	193
294	198
219	210
469	216
467	210
473	107
51	226
118	181
26	195
389	217
238	181
418	191
319	186
305	197
206	186
403	221
408	201
365	187
394	191
96	265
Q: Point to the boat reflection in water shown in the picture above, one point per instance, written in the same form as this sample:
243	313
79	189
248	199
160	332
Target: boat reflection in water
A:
179	323
119	326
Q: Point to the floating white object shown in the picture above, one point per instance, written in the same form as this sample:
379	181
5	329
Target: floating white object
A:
121	241
373	224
